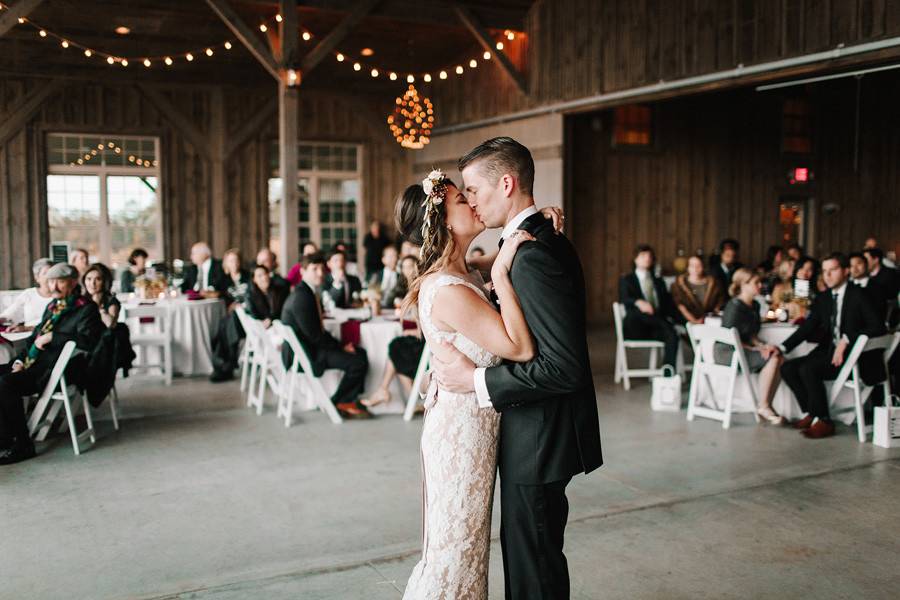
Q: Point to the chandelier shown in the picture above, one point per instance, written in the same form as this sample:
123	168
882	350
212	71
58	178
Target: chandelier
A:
412	120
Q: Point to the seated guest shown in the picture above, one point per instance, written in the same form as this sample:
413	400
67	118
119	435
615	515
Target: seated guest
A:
340	285
350	266
649	310
28	307
795	252
295	274
838	317
859	269
265	300
725	263
80	259
205	274
742	312
388	278
786	293
69	317
96	283
409	270
303	313
768	269
407	248
137	266
873	243
697	294
269	260
374	244
885	282
226	340
238	279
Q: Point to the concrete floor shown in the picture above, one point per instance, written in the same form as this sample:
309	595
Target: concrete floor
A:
197	497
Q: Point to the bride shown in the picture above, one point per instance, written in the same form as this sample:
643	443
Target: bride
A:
459	439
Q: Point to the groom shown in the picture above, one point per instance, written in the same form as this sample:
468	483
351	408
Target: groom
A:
549	431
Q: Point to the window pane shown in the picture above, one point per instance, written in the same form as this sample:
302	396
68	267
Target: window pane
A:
133	217
73	210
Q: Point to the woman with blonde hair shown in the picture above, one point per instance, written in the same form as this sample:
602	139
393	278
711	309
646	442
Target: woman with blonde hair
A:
742	313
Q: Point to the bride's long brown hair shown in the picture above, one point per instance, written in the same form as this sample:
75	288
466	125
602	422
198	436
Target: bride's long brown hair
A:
437	244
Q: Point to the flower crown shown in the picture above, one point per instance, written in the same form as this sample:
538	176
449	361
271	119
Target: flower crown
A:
435	187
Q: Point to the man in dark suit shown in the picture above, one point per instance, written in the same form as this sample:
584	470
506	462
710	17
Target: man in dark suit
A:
838	316
388	279
205	275
69	317
269	260
303	312
723	265
885	282
340	285
650	312
550	429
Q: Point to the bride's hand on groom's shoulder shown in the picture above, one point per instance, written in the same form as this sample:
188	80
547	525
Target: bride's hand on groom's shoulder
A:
503	262
557	215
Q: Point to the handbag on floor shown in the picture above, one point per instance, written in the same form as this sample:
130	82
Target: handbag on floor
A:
666	394
886	425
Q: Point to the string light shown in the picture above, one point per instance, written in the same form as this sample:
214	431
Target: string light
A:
278	18
124	62
168	61
64	44
116	149
459	70
306	36
487	55
443	75
426	77
374	72
473	63
110	59
263	28
209	51
499	45
43	33
412	119
147	62
357	67
88	53
228	45
340	57
189	57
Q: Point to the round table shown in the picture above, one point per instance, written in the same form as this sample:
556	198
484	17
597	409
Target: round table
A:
194	322
12	345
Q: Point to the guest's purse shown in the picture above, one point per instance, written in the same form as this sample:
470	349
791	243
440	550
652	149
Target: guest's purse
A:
666	394
886	428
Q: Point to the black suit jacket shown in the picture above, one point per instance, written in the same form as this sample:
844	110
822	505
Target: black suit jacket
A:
343	296
715	269
398	291
630	292
858	317
550	430
301	314
217	277
884	288
267	305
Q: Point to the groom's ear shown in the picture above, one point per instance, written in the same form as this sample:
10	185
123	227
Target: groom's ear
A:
509	184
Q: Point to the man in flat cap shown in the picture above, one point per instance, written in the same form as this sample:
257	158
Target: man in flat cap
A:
69	317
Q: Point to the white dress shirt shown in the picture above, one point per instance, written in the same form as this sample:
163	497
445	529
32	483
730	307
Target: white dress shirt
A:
862	281
839	298
203	275
481	391
27	308
388	280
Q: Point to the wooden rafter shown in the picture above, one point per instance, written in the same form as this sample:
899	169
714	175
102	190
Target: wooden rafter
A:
20	9
336	35
251	127
18	117
484	38
171	113
245	35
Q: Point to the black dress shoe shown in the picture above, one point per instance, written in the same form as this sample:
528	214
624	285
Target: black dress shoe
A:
17	454
220	376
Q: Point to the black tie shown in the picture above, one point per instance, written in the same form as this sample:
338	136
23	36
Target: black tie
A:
834	312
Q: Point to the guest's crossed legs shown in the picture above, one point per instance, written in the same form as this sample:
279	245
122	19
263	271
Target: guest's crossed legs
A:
806	377
641	326
354	367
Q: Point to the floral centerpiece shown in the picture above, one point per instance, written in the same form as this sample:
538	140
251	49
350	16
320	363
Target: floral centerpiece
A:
150	286
372	297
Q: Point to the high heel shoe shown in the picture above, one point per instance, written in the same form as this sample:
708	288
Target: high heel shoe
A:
771	417
379	397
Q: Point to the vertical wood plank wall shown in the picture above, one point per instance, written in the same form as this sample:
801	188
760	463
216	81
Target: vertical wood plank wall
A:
718	171
187	197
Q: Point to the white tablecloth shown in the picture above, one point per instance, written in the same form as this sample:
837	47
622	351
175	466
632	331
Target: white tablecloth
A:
374	336
16	343
194	322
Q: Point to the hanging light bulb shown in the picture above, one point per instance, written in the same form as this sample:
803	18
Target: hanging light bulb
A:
410	78
443	75
499	45
473	63
110	59
124	62
357	67
42	33
340	57
189	57
209	51
510	35
374	72
64	44
146	62
228	45
393	76
88	53
487	55
459	70
427	77
278	18
306	36
168	61
263	28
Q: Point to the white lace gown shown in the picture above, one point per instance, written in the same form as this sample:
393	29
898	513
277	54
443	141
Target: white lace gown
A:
459	463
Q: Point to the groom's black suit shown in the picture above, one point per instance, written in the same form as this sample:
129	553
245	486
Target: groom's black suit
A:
550	430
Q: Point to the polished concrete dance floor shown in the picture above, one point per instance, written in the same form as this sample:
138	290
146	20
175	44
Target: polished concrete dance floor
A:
197	497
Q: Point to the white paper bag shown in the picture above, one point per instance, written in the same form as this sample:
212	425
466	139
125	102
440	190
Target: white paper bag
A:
886	428
666	394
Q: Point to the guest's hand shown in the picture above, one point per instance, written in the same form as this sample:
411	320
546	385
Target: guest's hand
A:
453	370
838	358
17	366
42	340
267	323
768	351
556	214
350	349
644	306
107	319
503	262
21	328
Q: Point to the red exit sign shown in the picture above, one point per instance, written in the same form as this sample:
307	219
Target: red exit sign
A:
800	175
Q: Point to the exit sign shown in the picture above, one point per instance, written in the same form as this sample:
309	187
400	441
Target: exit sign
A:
800	175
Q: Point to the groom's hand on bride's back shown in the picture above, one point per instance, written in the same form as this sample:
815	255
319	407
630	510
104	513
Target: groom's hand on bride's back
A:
453	370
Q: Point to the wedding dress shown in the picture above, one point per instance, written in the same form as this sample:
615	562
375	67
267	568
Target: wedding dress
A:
459	463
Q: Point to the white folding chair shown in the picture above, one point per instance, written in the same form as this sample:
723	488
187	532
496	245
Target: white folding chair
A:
252	345
848	378
622	372
264	360
58	394
155	333
300	375
413	397
704	339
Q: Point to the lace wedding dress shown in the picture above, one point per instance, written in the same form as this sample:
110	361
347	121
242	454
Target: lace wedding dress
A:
459	463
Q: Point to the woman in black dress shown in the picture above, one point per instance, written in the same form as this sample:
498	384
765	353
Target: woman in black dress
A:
115	351
264	301
137	266
227	339
742	313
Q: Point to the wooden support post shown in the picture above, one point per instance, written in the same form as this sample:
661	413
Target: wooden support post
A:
336	35
245	35
221	238
471	22
21	113
288	109
20	9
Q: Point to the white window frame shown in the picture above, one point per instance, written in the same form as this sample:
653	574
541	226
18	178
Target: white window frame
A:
102	171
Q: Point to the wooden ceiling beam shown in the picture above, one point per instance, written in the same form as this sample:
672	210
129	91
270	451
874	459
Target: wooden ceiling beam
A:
171	113
246	36
487	42
20	9
18	117
289	32
336	35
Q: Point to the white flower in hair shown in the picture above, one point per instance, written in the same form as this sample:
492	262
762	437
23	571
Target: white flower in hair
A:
429	183
436	175
427	186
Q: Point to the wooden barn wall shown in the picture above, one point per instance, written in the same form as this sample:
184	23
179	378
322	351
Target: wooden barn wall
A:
190	212
717	171
580	48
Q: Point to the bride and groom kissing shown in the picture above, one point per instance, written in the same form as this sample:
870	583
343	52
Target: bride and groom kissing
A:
511	385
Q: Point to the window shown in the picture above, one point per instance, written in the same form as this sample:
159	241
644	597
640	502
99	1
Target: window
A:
102	195
329	186
796	135
632	126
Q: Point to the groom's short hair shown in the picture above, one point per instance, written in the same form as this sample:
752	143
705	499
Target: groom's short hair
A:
501	155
